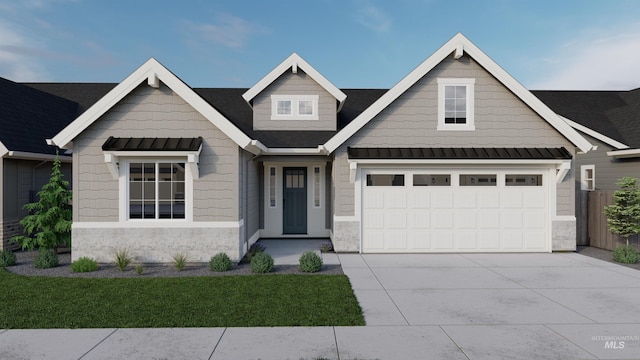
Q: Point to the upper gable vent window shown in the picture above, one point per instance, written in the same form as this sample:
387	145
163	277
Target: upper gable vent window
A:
294	107
455	104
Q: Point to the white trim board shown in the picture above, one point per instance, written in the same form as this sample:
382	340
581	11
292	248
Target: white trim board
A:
143	224
594	134
458	44
294	62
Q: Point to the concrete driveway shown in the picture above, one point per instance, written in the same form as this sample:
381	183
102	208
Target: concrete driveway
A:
487	306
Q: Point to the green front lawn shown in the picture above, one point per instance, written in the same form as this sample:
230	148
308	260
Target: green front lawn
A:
225	301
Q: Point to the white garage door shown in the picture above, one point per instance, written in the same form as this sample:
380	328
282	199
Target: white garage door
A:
455	211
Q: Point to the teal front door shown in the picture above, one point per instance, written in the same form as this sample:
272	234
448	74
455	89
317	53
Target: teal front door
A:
294	201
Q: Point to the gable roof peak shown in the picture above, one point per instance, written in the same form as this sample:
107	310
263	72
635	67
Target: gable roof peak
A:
293	63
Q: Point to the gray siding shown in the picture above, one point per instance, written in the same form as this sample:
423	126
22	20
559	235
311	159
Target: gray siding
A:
149	112
607	169
501	119
294	84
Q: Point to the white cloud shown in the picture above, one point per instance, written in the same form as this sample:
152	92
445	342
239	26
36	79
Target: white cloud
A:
230	31
373	18
599	61
16	60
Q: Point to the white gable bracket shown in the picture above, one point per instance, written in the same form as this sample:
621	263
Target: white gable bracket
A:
563	169
153	80
459	51
294	68
192	163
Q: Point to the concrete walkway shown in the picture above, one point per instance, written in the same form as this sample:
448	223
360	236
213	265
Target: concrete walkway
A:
449	306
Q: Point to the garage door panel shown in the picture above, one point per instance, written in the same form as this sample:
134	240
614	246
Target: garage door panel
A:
487	200
512	240
373	200
466	240
442	240
420	239
396	239
442	219
534	220
442	199
465	200
395	200
534	240
489	240
374	239
394	219
466	219
419	199
512	219
534	200
373	219
511	200
420	219
488	219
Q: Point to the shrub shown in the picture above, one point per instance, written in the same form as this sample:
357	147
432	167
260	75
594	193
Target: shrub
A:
326	246
139	269
310	262
254	249
46	259
625	254
220	262
84	264
261	263
179	261
123	259
7	258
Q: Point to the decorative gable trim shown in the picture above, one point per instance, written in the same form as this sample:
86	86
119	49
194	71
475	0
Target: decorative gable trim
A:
458	45
596	135
294	62
153	72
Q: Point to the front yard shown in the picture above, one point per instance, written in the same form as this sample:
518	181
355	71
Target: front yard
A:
217	301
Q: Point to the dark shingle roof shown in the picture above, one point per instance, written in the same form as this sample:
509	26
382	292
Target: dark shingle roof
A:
85	94
28	117
615	114
152	144
440	153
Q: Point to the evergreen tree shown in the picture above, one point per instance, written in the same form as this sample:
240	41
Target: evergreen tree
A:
623	217
48	224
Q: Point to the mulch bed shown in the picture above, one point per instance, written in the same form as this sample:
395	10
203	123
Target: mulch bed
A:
602	254
24	266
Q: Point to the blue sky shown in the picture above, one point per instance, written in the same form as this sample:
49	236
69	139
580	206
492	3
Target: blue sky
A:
558	44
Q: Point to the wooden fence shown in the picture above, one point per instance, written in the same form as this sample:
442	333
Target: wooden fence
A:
592	228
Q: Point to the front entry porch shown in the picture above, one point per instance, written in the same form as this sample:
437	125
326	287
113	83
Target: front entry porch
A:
288	251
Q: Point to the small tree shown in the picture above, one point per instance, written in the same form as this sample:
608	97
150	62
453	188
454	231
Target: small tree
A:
48	224
623	217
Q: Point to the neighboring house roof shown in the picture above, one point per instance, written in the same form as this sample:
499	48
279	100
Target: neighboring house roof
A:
294	62
28	117
609	116
85	94
458	45
460	153
152	72
152	144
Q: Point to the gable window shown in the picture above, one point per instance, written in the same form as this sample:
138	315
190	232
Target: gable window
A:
156	190
456	104
283	107
294	107
588	177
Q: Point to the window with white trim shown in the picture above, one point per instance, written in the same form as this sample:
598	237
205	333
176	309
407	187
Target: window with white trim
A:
272	186
156	190
456	104
316	186
588	177
294	107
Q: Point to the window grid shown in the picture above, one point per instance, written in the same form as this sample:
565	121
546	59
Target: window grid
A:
316	186
156	190
272	187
